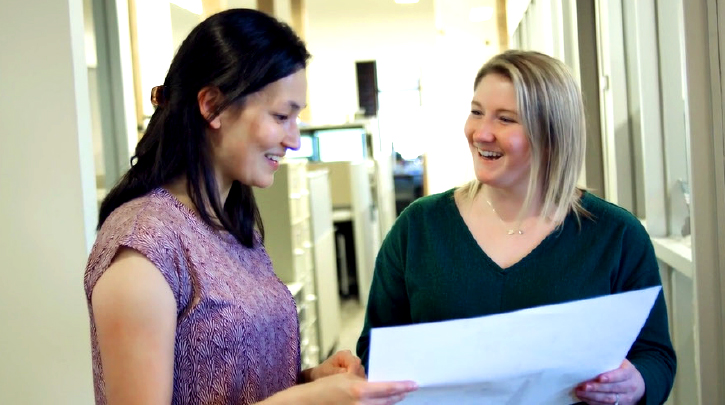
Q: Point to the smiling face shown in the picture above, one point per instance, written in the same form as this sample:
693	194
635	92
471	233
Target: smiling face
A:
497	139
248	142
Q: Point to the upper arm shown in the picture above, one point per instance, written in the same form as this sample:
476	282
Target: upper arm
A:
134	311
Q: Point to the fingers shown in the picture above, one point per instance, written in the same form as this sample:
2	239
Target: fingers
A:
387	390
349	362
615	381
628	385
358	370
599	398
345	358
625	381
625	372
615	376
386	401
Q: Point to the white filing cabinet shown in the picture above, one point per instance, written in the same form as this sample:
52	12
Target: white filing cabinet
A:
285	212
323	241
352	201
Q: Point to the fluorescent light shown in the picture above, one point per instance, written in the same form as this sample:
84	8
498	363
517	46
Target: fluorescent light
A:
406	1
479	14
193	6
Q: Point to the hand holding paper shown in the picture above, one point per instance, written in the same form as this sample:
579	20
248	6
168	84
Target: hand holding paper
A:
536	355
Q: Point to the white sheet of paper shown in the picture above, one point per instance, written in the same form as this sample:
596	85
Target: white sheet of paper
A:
532	356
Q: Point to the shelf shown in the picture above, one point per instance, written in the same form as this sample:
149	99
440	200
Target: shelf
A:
677	253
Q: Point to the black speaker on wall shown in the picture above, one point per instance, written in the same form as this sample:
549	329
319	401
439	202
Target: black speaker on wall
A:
367	87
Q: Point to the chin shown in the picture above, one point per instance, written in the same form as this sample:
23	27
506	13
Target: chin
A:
484	176
264	183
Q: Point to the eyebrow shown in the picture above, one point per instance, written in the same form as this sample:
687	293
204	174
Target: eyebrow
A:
296	106
477	104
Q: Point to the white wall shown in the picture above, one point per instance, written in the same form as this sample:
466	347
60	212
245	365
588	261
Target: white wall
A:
283	10
126	73
182	22
461	48
432	41
155	46
242	4
515	10
92	62
47	208
340	32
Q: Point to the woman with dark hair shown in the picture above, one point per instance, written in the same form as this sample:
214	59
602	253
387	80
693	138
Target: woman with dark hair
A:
184	305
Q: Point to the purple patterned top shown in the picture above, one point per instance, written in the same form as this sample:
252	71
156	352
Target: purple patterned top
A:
237	335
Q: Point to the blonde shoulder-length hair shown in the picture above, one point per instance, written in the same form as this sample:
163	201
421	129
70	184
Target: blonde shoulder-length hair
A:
551	111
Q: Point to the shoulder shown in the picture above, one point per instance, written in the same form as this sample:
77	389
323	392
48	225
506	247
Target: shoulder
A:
150	225
429	204
156	212
424	217
603	213
614	229
131	277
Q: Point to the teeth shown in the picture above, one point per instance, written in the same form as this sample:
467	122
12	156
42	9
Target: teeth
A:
273	157
489	154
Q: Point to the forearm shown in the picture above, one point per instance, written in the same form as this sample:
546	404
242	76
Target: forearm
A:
658	375
654	357
292	395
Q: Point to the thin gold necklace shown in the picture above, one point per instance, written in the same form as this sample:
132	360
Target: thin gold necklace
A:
511	231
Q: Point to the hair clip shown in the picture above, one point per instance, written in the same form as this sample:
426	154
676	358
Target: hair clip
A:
157	96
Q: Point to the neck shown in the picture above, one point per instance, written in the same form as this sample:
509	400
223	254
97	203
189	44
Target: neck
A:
179	189
508	204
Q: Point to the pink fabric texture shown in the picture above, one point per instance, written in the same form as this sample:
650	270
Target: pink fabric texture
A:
237	335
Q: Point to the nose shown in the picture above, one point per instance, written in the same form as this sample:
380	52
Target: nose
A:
483	130
292	138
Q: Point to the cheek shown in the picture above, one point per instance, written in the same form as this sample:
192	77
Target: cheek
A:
266	135
468	130
519	144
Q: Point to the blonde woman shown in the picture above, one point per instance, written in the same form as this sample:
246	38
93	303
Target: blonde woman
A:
522	234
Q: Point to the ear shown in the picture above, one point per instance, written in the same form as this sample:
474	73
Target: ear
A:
209	98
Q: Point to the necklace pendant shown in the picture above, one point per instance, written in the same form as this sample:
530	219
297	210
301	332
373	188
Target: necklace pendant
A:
511	232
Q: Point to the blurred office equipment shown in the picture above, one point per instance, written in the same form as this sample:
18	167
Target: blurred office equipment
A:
408	179
367	87
323	243
354	142
356	225
285	211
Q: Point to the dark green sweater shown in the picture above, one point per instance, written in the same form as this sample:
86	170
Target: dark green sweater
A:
430	268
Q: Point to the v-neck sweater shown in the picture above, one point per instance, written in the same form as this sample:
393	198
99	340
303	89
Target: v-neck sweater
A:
430	268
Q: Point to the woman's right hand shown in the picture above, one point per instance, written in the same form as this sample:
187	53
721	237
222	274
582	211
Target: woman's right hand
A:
345	389
349	388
